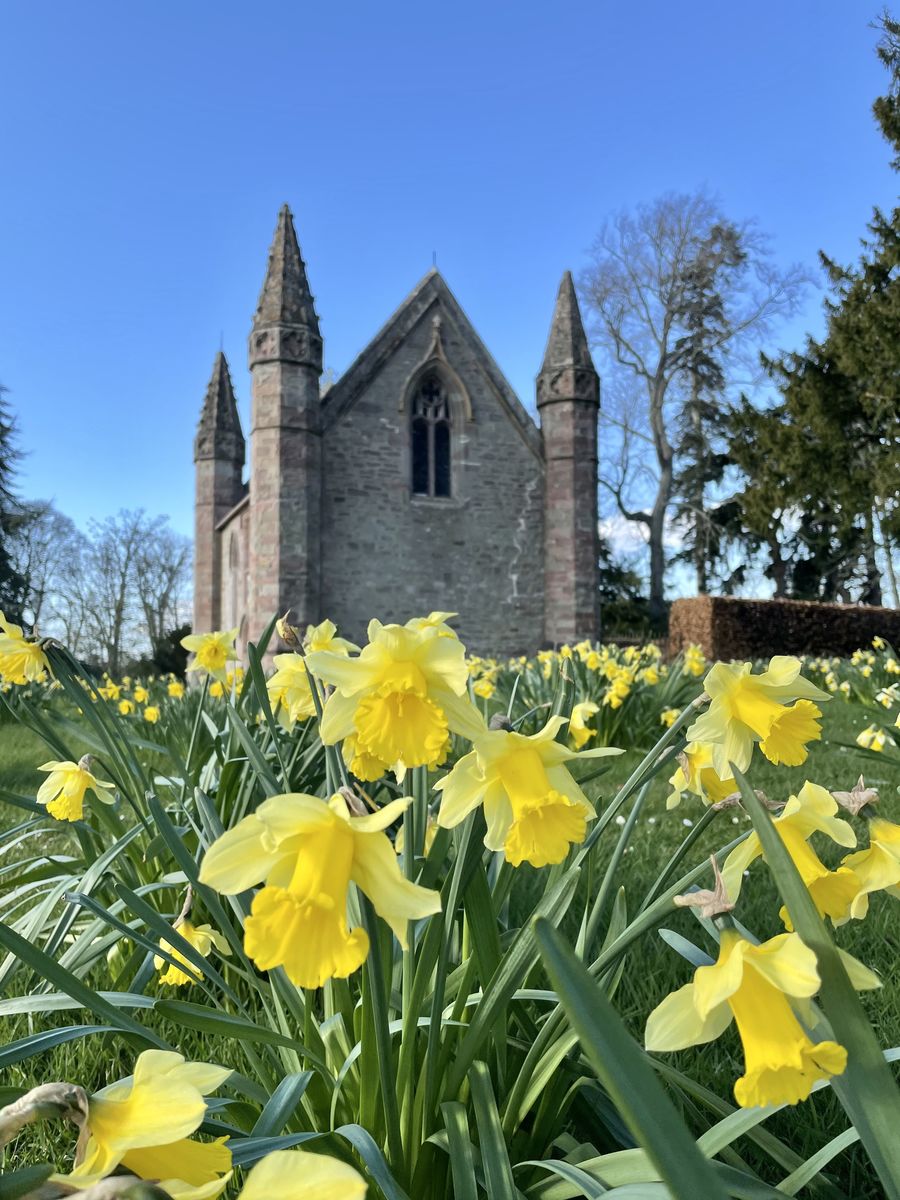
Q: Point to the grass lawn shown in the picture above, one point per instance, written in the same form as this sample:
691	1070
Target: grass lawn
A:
651	971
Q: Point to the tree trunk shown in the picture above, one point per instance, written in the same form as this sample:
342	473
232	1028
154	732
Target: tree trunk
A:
872	590
778	569
657	530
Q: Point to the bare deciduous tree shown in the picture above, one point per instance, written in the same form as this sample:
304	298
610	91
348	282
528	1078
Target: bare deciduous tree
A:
637	291
162	569
44	551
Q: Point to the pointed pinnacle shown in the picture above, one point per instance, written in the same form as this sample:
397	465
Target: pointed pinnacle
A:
285	298
567	345
219	433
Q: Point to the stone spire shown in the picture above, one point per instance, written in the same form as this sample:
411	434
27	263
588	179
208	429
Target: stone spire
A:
219	433
568	397
567	371
285	537
285	325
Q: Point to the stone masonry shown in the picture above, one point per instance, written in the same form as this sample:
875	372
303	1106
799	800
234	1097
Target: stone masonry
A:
331	524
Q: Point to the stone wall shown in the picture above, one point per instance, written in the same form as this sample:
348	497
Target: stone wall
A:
727	628
389	554
234	555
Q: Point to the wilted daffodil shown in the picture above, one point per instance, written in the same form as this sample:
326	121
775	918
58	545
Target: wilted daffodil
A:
212	652
746	708
300	1175
143	1124
21	659
533	807
64	788
696	774
878	867
812	810
308	853
202	938
396	702
579	730
755	986
289	689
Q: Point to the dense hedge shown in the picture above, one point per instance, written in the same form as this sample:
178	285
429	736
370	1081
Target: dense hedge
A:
728	628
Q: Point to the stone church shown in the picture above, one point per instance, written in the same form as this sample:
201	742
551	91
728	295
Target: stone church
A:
417	481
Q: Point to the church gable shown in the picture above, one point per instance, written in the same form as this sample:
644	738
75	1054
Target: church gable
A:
454	349
432	482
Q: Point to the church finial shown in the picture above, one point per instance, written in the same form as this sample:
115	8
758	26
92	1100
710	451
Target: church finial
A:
567	345
285	298
568	368
219	432
285	326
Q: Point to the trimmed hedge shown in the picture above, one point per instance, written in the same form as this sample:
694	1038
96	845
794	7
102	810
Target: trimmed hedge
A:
727	628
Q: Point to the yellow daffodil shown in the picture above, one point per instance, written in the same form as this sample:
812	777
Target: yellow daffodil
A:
668	717
650	676
878	867
398	699
435	622
289	690
484	687
110	691
151	714
212	652
533	807
746	708
141	695
754	985
323	637
872	738
579	730
64	788
21	659
144	1123
300	1175
308	852
202	938
126	706
618	690
694	661
175	688
696	774
812	810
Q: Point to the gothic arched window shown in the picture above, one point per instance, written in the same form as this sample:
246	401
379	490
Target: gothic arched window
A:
430	439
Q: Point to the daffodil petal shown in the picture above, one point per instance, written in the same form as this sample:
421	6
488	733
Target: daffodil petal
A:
396	899
675	1023
239	859
300	1175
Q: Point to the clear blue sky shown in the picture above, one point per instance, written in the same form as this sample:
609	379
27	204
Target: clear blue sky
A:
146	149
